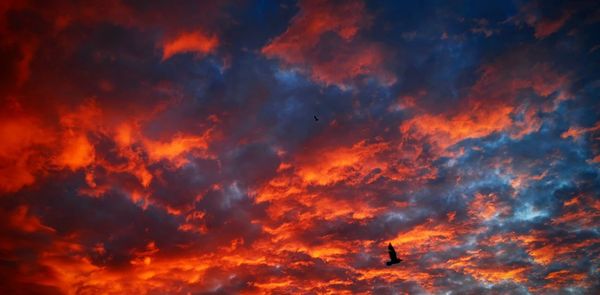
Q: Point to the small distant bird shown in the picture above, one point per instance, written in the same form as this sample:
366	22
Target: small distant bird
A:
393	258
316	119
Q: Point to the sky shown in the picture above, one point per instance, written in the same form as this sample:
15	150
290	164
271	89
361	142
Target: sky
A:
169	147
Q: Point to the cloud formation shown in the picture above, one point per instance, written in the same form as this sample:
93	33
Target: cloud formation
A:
198	42
323	40
170	147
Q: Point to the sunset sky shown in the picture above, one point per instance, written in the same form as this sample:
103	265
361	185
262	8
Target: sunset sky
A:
169	147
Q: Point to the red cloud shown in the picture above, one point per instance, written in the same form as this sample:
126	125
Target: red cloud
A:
137	191
543	26
546	27
32	146
305	45
195	42
490	105
23	139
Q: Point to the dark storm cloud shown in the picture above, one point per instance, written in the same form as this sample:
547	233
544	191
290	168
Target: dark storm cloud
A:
180	188
94	219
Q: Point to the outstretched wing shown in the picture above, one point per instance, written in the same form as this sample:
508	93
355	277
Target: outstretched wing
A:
392	253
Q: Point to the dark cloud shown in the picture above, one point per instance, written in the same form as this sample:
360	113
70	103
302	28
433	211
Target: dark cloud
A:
170	147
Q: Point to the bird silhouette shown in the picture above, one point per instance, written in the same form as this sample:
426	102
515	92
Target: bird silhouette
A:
316	119
393	258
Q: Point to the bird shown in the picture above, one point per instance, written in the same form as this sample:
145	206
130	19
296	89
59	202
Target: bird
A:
393	258
316	119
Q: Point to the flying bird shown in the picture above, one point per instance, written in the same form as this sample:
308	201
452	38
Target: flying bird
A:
393	258
316	119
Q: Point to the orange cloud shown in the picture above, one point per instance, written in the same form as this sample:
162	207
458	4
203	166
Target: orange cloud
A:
487	206
315	19
470	264
162	206
77	152
194	42
577	132
430	236
447	131
32	146
489	106
173	149
581	211
342	162
20	155
393	275
545	251
562	277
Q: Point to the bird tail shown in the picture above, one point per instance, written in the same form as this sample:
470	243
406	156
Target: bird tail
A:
388	263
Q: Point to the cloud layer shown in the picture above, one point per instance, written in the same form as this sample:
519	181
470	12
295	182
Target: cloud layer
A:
169	147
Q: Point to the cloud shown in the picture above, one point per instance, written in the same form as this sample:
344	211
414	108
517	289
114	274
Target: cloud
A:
542	24
490	105
22	136
323	41
196	42
170	147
